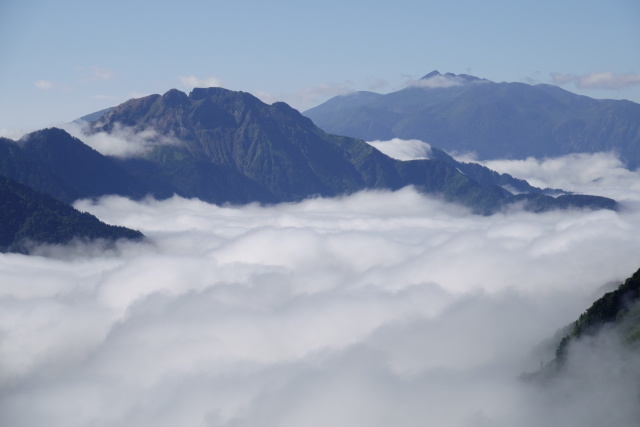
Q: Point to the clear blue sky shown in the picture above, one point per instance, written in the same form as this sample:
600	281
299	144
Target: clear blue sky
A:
62	59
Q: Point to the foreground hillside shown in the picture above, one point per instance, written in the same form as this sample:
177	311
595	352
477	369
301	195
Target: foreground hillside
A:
617	312
494	120
29	217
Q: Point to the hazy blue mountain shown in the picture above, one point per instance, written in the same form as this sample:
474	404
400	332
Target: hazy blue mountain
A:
461	113
235	148
93	116
29	217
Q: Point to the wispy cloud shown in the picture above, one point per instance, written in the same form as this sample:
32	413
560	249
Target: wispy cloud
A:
103	73
193	81
598	80
121	141
43	84
312	96
439	81
403	149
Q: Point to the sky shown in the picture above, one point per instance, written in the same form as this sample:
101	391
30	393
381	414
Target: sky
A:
65	59
376	309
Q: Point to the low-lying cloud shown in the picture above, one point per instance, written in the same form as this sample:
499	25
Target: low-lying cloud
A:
121	141
379	308
403	149
602	174
438	81
374	309
598	80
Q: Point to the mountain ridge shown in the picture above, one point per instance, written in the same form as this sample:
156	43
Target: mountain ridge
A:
282	150
29	218
493	120
225	146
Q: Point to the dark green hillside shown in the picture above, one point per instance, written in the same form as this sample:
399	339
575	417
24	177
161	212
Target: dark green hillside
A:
29	217
618	308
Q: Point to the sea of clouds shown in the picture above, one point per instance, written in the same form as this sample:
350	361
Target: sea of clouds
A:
374	309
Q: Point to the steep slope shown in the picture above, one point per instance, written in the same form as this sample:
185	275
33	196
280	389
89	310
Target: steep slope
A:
617	312
494	120
53	161
618	308
234	148
29	217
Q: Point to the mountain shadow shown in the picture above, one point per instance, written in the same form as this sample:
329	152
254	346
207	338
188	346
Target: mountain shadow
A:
29	218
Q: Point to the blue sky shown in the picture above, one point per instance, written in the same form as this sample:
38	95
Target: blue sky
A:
61	60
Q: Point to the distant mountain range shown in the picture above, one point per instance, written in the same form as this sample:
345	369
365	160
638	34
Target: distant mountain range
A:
229	147
29	218
462	113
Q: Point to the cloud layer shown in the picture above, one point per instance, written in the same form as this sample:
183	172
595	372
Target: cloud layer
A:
374	309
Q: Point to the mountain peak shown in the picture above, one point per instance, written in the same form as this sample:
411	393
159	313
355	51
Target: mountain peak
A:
435	80
175	97
434	73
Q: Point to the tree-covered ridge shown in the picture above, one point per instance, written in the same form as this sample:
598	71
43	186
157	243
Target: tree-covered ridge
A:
29	217
617	308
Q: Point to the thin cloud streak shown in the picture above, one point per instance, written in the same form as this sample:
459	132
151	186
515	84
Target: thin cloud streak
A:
43	84
403	149
598	80
197	82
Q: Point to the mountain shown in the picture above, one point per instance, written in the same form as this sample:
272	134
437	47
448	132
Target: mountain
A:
29	217
93	116
617	310
226	146
462	113
53	161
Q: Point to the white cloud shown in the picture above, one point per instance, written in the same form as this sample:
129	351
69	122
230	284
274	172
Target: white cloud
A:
265	97
598	80
439	81
193	81
312	96
13	133
43	84
103	73
403	149
601	174
373	309
121	141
